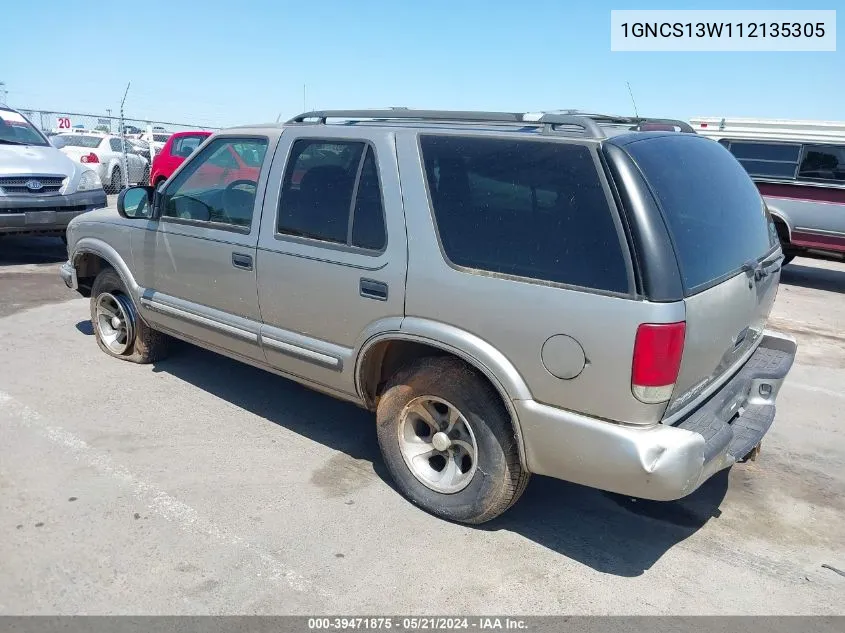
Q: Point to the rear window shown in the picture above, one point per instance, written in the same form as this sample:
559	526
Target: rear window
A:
77	140
524	208
715	214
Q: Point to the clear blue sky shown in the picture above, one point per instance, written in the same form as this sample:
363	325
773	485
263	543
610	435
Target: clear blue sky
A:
225	63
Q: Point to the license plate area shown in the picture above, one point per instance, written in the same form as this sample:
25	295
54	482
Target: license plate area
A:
40	217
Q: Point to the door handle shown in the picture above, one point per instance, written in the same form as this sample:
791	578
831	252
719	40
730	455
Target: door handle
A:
240	260
372	289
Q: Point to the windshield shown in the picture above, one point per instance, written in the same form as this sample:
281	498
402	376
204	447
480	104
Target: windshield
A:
714	212
16	130
76	140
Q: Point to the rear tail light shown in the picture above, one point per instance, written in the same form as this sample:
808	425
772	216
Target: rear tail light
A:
657	360
90	158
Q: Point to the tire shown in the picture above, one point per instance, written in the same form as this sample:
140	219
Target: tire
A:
787	259
139	342
441	385
116	182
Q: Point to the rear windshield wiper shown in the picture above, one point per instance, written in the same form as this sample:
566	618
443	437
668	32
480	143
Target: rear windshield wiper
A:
760	270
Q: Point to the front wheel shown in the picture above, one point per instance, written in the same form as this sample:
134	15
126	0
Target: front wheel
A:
448	441
119	331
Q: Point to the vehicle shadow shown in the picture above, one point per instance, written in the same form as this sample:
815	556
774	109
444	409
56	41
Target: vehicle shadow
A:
610	533
814	277
31	249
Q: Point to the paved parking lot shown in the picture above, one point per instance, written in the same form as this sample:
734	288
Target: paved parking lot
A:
199	485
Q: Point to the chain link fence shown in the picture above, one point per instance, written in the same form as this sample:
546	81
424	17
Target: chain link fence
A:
121	150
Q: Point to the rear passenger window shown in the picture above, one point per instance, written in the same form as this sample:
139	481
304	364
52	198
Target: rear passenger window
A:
823	162
773	160
184	146
525	208
331	193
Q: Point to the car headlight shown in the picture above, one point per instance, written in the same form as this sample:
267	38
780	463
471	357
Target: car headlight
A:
89	180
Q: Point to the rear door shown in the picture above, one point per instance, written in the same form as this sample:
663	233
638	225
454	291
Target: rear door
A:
332	254
727	252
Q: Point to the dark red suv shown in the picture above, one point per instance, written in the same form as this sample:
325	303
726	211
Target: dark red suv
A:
177	148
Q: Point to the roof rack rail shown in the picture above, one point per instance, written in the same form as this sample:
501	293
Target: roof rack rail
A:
547	121
639	121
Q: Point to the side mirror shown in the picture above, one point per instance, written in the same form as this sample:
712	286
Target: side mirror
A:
136	203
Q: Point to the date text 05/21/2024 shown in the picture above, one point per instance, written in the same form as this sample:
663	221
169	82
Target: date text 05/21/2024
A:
416	623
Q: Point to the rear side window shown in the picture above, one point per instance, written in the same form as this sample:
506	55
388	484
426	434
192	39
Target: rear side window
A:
184	146
773	160
331	193
715	214
823	162
525	208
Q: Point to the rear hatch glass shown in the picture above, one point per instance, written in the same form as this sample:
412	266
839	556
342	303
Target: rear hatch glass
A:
714	212
722	234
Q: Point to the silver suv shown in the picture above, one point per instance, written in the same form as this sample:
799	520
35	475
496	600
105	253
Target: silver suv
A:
558	294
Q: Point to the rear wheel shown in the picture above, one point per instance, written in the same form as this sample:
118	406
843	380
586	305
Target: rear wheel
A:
448	441
787	259
116	183
119	331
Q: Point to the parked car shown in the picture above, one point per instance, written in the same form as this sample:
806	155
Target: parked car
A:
156	141
799	167
104	154
510	296
41	189
178	147
141	148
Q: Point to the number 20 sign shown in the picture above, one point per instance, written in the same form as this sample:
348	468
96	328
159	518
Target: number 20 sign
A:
64	123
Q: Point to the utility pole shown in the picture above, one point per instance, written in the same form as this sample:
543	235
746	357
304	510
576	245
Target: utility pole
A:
125	161
3	93
304	97
108	112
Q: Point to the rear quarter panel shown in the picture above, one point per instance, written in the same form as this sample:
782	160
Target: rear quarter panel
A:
518	317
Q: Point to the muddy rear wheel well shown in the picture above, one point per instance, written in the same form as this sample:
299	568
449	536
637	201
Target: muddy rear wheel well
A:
384	359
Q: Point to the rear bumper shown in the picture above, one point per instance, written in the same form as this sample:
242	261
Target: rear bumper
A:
46	214
661	462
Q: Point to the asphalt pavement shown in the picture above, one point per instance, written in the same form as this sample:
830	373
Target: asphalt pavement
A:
199	485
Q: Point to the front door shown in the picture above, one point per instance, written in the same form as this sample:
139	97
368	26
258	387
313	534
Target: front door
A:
197	262
332	255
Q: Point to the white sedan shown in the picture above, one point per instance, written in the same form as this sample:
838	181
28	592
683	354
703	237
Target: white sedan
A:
104	154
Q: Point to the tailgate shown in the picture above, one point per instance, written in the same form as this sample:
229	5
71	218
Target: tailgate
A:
726	248
724	325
